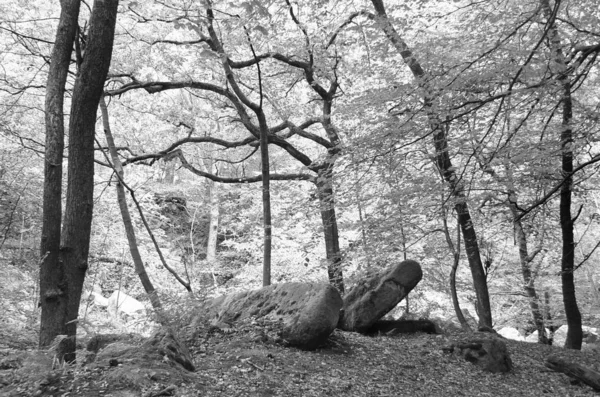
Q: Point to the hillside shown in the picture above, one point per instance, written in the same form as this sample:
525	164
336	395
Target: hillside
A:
244	362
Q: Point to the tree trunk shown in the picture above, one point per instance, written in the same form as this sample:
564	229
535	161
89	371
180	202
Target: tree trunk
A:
445	167
53	294
575	332
88	88
528	280
330	229
575	371
140	269
456	261
266	196
213	228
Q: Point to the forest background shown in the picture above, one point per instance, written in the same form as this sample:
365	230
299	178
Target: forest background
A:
459	134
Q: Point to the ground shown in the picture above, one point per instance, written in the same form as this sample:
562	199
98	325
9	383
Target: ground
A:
246	362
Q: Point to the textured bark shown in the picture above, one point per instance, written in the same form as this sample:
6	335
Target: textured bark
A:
213	227
266	196
575	332
330	229
575	371
140	269
445	167
53	296
88	88
528	280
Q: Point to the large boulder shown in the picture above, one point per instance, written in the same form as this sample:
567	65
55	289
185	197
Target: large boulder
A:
372	298
121	303
306	313
490	354
511	333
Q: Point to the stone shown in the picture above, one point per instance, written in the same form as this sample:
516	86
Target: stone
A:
489	354
306	313
95	296
168	345
126	305
560	336
511	333
371	299
533	337
163	345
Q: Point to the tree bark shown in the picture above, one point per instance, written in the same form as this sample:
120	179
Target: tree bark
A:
576	371
330	229
140	269
213	227
445	167
528	280
455	250
75	238
575	332
53	294
266	196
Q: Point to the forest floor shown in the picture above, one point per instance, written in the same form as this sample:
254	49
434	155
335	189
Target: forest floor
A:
238	363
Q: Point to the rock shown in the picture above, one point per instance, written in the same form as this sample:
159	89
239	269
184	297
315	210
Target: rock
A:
167	344
533	337
512	333
560	336
162	346
372	298
126	305
307	313
95	296
100	341
394	327
489	354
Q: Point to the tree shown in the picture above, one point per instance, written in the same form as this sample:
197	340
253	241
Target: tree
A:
127	223
53	298
240	100
444	164
75	237
559	68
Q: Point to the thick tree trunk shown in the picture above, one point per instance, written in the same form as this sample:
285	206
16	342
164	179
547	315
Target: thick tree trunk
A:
53	294
330	229
575	332
445	167
80	188
140	269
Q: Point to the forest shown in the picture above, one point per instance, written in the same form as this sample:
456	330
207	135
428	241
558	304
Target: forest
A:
173	151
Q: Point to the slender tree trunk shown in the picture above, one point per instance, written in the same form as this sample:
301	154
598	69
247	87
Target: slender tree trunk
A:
53	294
88	88
528	280
575	332
140	269
266	196
213	228
455	250
445	167
330	229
